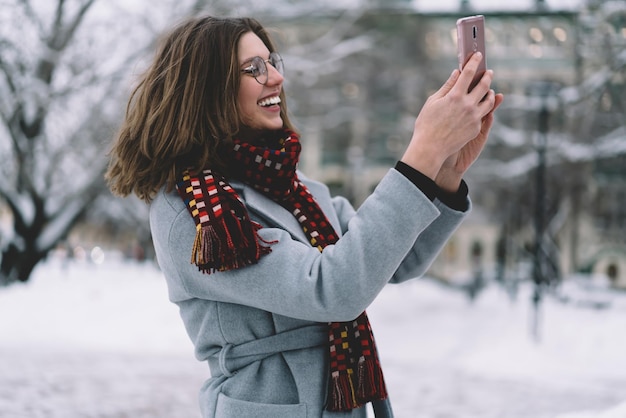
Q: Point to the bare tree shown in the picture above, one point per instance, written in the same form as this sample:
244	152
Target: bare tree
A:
60	72
41	211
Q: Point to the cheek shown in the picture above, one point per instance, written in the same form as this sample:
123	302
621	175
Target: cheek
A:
246	100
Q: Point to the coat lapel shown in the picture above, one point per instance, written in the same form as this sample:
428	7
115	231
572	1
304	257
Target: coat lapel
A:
276	215
272	213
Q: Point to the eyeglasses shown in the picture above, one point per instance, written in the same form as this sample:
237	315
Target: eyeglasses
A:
258	67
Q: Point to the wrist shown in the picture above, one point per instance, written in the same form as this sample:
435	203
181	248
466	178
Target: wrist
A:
420	159
448	180
420	180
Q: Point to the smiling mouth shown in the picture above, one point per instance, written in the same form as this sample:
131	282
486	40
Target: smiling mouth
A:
270	101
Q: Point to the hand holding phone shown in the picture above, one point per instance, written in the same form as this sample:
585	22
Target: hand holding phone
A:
470	39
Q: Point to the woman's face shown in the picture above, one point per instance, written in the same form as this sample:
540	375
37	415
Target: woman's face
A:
258	104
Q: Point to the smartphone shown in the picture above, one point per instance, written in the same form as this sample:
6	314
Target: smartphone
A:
470	33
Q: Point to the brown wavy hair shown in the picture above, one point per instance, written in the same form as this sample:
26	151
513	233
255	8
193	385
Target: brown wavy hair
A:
184	106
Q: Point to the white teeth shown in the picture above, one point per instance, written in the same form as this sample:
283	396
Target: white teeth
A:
270	101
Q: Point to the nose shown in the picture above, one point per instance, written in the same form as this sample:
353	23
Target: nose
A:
273	76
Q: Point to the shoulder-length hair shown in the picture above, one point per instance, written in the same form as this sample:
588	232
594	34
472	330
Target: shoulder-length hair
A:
184	106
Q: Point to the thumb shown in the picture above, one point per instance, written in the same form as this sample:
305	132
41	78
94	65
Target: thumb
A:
447	86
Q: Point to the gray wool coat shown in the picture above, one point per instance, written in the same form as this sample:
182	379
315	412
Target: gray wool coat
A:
263	328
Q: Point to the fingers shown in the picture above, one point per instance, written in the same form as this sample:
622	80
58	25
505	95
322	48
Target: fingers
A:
487	124
499	98
448	85
487	102
491	102
483	86
469	72
461	80
488	119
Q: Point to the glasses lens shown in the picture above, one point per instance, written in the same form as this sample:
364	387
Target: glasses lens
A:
277	62
259	70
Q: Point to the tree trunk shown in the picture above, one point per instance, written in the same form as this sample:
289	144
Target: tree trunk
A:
18	265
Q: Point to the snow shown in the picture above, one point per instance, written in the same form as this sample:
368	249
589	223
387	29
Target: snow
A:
102	340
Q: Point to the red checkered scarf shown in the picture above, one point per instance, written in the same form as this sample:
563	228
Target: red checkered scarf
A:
227	239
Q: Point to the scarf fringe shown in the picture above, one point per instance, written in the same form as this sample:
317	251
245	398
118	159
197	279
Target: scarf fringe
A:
371	382
341	397
212	254
370	386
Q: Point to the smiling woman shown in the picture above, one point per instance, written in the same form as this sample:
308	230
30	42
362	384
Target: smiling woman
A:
259	94
281	273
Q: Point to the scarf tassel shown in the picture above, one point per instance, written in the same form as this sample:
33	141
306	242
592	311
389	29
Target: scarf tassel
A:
371	382
370	386
341	393
211	253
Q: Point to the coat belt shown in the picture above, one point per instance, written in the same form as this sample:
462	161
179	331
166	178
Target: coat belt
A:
233	357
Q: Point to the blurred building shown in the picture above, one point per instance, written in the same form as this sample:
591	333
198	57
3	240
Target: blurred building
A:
355	85
373	99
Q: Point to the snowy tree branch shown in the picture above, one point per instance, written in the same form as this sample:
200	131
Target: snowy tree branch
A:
63	34
30	13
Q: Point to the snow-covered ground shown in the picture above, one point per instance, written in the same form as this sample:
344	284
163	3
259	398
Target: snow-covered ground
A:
87	340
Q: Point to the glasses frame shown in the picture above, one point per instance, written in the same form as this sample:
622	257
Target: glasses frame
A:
260	65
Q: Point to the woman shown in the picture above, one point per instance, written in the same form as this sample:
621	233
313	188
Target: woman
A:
281	273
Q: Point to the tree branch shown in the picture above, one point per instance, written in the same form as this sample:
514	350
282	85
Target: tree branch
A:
16	211
63	34
30	13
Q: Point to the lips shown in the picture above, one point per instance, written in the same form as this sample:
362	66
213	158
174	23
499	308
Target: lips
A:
269	101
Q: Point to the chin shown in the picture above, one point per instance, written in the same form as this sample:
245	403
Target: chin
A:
274	126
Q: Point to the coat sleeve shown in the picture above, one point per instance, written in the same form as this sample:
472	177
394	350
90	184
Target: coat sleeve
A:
295	279
427	246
